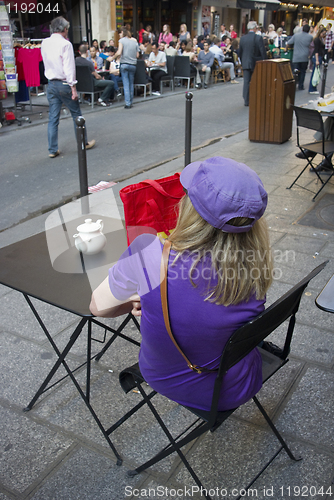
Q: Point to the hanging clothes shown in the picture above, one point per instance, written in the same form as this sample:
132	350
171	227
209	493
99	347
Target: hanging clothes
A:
30	59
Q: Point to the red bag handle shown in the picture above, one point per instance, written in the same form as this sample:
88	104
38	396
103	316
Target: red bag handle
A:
160	189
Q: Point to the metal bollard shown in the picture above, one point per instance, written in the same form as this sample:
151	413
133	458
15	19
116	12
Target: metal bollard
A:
187	155
82	159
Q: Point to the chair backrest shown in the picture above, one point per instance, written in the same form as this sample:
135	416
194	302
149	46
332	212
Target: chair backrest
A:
215	65
309	118
170	66
140	75
181	67
85	79
248	336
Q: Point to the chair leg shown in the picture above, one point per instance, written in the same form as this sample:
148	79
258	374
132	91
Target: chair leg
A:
322	187
275	431
172	447
296	179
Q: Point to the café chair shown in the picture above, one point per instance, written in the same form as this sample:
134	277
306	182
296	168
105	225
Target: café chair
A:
241	342
217	73
141	79
85	83
182	70
311	119
169	77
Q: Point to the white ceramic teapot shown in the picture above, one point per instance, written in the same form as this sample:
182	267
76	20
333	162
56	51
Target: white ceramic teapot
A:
90	239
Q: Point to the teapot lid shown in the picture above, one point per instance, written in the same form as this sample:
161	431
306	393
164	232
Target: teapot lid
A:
89	226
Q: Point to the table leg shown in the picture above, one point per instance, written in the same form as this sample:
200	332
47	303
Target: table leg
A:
89	353
61	356
61	360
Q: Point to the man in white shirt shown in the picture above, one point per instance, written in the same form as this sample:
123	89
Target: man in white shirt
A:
219	55
58	58
157	62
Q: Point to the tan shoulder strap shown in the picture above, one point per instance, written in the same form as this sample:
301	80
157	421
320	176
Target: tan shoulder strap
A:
164	303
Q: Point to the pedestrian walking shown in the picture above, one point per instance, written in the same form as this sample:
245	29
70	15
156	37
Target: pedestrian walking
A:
301	42
251	49
58	58
128	49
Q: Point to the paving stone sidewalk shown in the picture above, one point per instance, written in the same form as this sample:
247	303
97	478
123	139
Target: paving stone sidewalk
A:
56	451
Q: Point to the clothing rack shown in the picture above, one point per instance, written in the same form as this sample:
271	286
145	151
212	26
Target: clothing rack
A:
32	44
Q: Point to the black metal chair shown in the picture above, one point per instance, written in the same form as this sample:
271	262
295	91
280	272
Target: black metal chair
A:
85	84
311	119
141	79
241	342
182	70
169	77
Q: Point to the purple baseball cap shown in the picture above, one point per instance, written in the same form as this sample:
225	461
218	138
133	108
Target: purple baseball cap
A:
221	189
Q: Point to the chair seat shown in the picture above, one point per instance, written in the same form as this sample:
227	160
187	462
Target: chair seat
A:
270	364
316	147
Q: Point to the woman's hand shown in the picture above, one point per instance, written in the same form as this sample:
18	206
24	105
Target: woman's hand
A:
136	311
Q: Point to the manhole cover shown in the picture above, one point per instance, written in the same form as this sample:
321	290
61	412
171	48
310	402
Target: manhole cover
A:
321	215
327	214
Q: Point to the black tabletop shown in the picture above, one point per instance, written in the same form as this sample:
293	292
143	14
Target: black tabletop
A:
67	280
325	299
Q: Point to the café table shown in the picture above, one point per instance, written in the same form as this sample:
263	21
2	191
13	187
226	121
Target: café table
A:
48	267
325	299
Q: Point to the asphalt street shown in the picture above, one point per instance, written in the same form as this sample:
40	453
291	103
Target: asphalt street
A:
127	141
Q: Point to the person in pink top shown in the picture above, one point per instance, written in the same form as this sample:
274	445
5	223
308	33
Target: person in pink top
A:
166	35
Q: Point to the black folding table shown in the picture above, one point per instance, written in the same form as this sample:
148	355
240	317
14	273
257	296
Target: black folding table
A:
48	267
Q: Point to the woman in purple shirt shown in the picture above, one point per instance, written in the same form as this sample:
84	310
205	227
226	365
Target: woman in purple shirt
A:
219	270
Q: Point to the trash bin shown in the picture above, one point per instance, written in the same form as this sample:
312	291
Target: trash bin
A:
271	95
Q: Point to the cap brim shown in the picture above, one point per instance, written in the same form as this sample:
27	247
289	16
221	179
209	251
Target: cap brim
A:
188	173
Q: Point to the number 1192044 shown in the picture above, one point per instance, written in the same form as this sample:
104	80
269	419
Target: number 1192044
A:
32	8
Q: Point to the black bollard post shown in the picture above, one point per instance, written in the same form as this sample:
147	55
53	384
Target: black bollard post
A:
324	76
187	155
82	159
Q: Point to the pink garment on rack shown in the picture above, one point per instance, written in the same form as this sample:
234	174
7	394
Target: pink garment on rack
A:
30	59
19	65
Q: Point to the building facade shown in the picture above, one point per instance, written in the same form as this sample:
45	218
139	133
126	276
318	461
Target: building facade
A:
101	19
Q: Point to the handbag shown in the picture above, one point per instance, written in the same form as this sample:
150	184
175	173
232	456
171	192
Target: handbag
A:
150	206
316	76
164	303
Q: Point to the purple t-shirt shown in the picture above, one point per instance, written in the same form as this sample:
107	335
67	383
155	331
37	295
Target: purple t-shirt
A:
200	327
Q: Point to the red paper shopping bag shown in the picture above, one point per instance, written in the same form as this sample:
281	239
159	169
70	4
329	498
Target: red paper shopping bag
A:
151	206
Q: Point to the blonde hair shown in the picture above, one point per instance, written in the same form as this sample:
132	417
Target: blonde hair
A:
242	261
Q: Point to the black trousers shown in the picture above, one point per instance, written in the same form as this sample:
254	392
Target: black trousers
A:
247	78
156	76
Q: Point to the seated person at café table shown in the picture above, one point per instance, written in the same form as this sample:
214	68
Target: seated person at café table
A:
205	61
157	62
115	74
325	166
209	296
220	56
99	84
95	58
